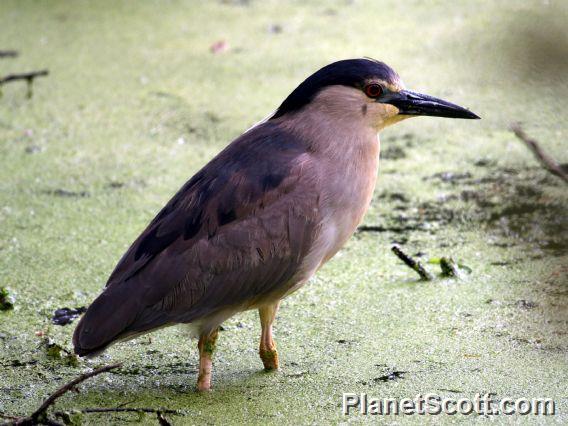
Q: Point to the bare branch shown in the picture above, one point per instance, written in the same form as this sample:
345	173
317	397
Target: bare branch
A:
28	76
413	264
123	410
547	162
69	386
159	412
8	53
40	416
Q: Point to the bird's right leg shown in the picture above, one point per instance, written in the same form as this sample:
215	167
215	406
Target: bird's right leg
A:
267	349
206	348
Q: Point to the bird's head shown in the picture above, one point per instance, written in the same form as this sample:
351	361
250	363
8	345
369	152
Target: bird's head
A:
366	90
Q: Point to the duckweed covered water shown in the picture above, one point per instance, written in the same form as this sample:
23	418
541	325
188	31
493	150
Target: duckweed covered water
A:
136	102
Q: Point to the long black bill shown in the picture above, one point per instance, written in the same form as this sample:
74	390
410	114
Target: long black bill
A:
412	103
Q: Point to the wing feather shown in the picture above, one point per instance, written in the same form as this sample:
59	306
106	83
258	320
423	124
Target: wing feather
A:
234	233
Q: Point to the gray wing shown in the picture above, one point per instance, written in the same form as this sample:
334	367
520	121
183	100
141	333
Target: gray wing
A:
235	232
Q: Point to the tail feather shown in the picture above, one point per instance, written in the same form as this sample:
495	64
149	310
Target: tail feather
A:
106	320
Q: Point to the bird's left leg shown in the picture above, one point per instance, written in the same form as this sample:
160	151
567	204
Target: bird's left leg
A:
206	348
267	349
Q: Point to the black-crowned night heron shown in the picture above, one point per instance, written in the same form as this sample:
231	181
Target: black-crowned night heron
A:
262	217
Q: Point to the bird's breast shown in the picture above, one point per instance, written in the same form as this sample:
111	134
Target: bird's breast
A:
349	183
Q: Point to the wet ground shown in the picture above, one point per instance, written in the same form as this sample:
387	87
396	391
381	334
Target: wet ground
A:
136	102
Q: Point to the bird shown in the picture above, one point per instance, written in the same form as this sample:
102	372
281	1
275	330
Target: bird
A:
258	220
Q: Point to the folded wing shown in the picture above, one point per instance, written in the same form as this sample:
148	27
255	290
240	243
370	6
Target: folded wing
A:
234	233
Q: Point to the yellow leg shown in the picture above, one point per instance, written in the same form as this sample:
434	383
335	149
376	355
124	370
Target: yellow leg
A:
267	349
206	348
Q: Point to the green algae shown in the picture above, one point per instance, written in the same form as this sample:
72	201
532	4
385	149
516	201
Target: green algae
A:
209	347
6	301
135	103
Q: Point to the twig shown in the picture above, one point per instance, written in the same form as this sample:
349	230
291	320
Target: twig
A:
547	162
40	415
395	229
159	412
123	410
27	76
413	264
8	53
371	228
69	386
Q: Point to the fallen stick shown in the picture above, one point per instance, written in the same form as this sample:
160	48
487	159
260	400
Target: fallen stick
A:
547	162
413	264
69	386
8	53
27	76
157	411
395	229
123	410
371	228
39	416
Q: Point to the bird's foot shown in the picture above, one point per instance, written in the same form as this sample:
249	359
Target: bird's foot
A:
204	383
267	347
269	358
204	378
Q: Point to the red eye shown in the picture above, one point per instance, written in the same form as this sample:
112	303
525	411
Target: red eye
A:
373	90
